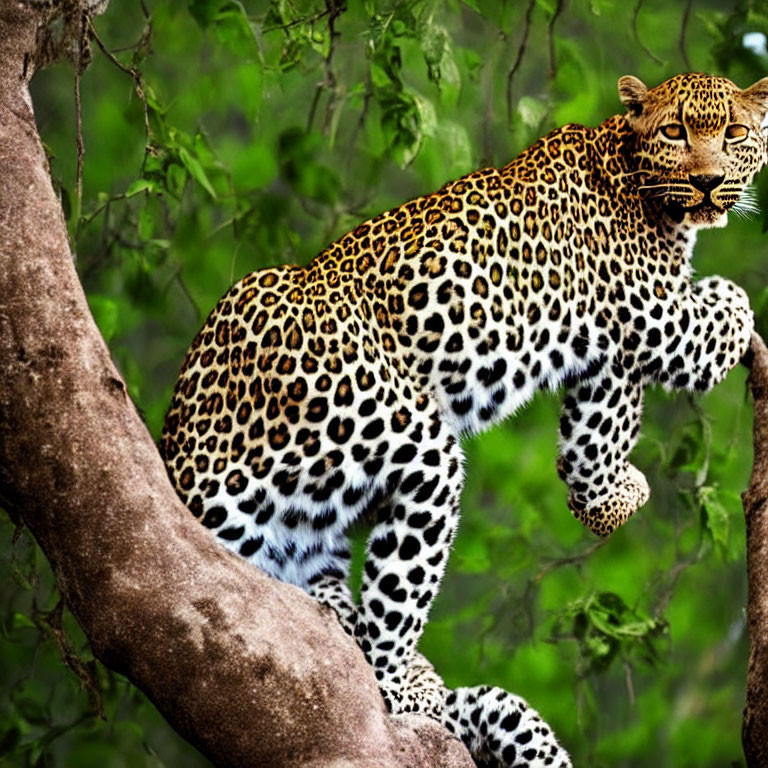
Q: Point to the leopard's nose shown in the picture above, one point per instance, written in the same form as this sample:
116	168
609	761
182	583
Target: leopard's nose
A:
706	182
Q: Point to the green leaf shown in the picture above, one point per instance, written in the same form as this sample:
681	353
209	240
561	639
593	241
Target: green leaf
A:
234	30
141	185
427	115
716	520
450	82
21	620
196	170
152	100
532	111
434	46
147	218
379	76
175	179
228	17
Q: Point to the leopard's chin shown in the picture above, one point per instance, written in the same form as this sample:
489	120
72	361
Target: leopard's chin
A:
705	215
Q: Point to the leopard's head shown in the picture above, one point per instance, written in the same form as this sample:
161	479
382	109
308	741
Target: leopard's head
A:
700	140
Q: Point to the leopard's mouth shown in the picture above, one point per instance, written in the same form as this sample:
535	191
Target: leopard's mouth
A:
712	206
680	200
705	205
705	213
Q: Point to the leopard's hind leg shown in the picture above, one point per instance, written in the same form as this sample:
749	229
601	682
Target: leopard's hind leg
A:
423	690
501	731
498	728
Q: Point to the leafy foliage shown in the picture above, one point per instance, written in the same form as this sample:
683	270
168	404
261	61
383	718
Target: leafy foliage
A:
223	136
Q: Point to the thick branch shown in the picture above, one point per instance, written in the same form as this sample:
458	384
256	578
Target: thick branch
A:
251	671
755	725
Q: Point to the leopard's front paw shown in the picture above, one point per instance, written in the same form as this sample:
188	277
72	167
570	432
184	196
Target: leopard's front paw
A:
421	691
629	493
425	691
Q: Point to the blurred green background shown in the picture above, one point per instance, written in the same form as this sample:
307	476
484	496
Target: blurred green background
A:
238	135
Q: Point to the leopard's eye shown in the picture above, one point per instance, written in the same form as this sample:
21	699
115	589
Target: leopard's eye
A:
736	132
673	131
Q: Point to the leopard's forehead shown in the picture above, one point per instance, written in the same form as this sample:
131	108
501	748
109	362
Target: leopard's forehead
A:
702	102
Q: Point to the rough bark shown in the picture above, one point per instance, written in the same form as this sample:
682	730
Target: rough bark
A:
755	725
250	671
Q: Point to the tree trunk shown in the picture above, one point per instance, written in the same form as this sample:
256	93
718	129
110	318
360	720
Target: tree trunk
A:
250	671
755	725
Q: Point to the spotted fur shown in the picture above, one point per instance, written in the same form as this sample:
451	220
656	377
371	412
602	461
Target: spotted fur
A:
316	395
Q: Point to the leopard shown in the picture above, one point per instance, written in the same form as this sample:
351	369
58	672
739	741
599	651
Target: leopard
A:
316	396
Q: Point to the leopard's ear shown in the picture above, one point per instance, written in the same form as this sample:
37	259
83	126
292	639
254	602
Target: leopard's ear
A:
757	94
632	92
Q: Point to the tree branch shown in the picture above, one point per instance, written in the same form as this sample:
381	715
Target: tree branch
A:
754	733
250	671
518	60
683	30
636	34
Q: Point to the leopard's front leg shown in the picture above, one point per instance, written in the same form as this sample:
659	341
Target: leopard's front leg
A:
702	338
599	423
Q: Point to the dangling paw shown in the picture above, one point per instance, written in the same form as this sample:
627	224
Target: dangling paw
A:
628	494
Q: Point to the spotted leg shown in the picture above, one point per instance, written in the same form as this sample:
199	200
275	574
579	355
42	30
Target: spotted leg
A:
407	552
717	323
498	728
599	423
501	731
425	687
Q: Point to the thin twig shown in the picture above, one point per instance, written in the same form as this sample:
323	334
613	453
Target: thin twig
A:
84	20
334	9
519	58
132	71
131	47
646	50
574	559
96	211
683	30
289	24
367	96
551	37
51	624
630	685
313	106
666	593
